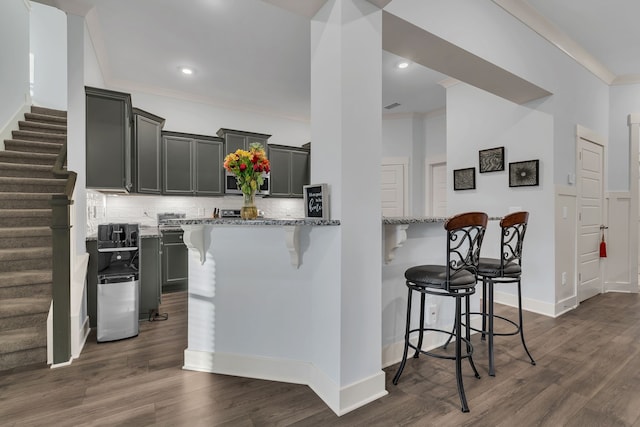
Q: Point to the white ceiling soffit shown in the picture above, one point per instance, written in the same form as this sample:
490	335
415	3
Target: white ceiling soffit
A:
412	42
530	17
309	8
74	7
306	8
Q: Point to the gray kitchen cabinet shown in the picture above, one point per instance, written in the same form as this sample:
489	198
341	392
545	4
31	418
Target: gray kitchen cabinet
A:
147	143
150	285
175	261
241	140
150	277
192	164
108	140
289	170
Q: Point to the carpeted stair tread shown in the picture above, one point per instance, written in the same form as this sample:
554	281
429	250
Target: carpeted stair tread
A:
45	118
48	111
12	213
26	277
15	254
42	127
29	135
28	157
32	146
6	233
12	184
11	307
25	170
22	339
30	196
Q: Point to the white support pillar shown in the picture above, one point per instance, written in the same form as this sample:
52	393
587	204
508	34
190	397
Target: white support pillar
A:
346	105
634	164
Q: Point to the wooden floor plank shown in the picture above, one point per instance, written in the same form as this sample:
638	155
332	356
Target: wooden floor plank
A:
587	373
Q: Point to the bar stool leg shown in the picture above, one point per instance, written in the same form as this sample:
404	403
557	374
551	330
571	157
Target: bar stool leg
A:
468	335
484	308
492	370
406	341
533	362
421	328
463	398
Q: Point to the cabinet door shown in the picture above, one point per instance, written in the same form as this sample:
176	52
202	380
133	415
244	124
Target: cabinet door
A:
280	172
108	143
234	142
208	173
299	172
148	142
150	280
177	165
175	263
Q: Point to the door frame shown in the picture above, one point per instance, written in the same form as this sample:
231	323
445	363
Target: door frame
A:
404	162
633	121
429	163
583	133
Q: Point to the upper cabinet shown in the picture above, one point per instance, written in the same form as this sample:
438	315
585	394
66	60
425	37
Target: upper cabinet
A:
241	140
147	143
192	164
289	170
108	140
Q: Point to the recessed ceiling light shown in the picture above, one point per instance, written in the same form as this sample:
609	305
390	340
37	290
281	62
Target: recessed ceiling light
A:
402	65
186	70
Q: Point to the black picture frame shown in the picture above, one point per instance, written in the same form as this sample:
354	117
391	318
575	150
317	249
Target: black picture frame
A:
464	179
524	174
491	160
316	201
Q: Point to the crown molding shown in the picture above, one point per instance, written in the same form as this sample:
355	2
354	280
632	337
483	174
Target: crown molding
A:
627	79
521	10
448	82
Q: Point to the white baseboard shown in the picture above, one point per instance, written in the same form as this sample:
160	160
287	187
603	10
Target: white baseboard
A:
566	305
340	400
61	365
626	287
528	304
81	339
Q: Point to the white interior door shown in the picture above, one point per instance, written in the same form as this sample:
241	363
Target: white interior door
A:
393	189
439	189
590	217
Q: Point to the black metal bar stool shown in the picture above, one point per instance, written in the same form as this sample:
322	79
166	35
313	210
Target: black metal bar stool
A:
456	279
507	269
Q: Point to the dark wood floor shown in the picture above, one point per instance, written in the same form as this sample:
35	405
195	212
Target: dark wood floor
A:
588	374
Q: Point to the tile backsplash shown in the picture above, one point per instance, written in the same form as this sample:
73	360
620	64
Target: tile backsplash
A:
141	209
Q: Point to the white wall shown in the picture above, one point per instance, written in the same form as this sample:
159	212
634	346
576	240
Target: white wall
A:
92	72
14	68
625	100
48	45
414	136
205	119
478	120
488	31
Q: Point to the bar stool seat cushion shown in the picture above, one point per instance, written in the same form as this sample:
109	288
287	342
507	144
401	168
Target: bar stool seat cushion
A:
490	267
434	276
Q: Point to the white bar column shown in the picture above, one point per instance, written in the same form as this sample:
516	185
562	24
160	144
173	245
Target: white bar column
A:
346	98
634	164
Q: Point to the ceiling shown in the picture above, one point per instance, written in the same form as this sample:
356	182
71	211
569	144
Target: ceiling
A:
253	54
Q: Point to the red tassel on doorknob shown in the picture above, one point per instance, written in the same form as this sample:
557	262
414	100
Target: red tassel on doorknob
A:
603	247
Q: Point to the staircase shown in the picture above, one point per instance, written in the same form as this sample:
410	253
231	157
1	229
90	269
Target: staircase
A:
26	186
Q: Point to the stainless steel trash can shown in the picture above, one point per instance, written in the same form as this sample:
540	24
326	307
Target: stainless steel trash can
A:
118	302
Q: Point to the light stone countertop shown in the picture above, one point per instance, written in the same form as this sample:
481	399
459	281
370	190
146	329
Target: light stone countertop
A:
252	222
400	220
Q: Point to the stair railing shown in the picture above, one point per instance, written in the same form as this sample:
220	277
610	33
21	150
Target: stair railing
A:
61	262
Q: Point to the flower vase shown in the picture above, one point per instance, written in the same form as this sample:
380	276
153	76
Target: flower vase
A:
249	209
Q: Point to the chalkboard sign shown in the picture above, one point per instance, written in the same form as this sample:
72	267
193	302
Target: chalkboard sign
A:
316	201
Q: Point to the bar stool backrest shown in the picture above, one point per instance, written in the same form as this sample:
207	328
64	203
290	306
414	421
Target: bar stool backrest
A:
465	232
513	227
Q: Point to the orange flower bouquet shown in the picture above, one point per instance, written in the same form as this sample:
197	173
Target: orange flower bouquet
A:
248	167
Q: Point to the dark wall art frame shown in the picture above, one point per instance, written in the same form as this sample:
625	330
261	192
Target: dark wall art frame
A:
491	160
464	179
316	201
524	174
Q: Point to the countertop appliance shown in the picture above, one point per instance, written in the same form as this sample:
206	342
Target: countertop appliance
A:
162	217
231	185
235	213
118	281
